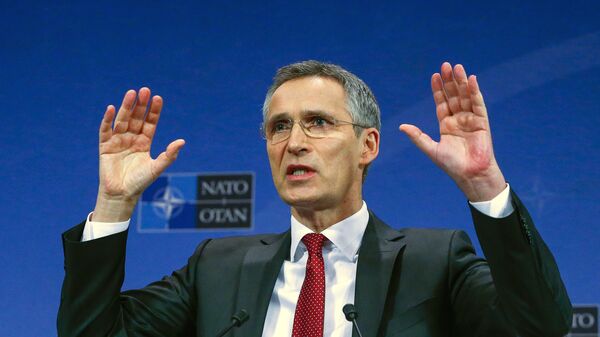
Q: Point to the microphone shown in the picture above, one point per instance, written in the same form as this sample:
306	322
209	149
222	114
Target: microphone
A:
351	315
237	320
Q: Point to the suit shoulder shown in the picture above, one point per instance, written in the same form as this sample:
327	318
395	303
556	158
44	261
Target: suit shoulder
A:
233	244
414	233
430	237
428	232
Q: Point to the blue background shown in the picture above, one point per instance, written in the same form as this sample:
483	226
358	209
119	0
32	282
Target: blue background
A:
61	63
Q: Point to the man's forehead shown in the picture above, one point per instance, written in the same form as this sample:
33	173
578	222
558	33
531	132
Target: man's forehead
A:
302	114
307	94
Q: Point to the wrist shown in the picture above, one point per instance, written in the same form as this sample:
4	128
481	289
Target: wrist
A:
113	209
483	188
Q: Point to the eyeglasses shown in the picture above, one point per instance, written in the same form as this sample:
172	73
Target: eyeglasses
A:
313	126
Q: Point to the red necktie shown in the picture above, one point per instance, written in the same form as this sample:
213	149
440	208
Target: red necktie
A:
310	309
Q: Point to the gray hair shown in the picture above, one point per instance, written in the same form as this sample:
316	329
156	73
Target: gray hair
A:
360	101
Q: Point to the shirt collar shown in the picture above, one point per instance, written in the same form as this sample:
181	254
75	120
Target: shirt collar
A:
346	235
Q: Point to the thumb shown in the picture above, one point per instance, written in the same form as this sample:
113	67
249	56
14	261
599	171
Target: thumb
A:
166	158
420	139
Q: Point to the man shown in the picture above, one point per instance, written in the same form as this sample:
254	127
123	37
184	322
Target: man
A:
321	125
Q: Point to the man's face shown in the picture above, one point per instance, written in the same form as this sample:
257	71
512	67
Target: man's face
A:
315	173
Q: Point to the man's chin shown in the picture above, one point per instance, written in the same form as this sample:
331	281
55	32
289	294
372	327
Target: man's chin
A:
301	200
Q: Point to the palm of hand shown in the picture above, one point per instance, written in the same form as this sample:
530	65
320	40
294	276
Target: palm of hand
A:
125	164
464	149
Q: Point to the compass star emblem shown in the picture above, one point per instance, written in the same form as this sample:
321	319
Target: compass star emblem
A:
168	202
539	195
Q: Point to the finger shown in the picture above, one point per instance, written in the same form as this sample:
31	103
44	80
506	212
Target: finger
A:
439	97
451	88
106	125
420	139
124	112
137	117
166	158
149	127
460	77
476	97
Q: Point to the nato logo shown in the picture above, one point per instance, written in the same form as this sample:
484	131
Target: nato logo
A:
192	201
585	321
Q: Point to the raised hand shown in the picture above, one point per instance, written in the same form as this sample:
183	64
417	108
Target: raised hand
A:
126	167
465	149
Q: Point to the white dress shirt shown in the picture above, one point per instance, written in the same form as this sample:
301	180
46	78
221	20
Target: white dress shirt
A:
340	256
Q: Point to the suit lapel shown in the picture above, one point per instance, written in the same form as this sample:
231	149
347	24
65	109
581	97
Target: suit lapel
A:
378	251
260	269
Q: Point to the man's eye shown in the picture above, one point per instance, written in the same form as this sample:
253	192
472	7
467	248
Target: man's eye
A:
320	122
280	126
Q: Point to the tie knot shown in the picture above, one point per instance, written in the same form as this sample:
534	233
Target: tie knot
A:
314	243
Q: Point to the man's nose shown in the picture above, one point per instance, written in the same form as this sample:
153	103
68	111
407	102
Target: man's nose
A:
298	139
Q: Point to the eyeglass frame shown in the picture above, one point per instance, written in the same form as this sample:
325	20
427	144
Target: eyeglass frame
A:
306	129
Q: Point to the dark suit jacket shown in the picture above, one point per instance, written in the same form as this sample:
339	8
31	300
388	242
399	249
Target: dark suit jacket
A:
410	282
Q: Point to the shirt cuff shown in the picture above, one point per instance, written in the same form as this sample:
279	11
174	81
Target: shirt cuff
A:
499	207
96	230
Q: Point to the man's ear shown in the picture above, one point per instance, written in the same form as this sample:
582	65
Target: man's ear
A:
370	146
